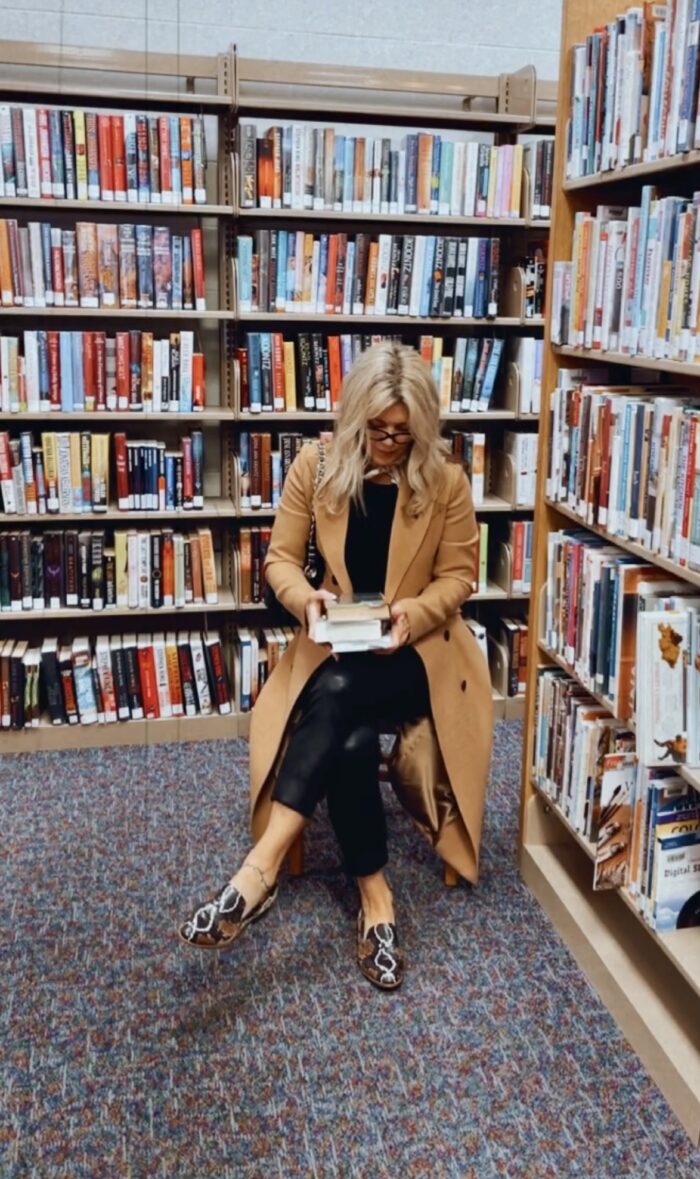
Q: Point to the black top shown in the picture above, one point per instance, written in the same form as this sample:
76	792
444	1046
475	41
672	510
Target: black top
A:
367	540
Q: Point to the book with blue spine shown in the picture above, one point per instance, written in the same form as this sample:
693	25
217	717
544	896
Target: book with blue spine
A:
66	368
175	157
435	174
281	275
244	468
245	273
445	184
176	246
427	283
411	193
492	367
254	372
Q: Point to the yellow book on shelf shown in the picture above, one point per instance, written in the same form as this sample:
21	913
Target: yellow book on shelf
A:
206	553
290	378
664	293
121	569
445	385
49	447
81	178
76	481
516	184
100	472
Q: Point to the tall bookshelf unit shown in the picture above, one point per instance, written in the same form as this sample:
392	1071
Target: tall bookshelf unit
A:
650	982
156	84
228	90
506	106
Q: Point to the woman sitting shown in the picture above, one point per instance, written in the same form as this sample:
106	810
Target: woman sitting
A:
392	515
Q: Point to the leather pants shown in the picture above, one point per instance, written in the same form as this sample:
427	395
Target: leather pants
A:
333	748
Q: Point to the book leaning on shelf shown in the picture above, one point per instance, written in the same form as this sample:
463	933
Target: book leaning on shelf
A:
75	372
642	822
70	473
101	265
73	154
111	678
256	652
366	274
634	89
307	373
628	461
103	569
305	167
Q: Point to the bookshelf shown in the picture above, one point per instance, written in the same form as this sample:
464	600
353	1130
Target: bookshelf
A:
227	90
650	982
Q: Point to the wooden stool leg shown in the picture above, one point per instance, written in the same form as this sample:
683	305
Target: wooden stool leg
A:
451	877
295	857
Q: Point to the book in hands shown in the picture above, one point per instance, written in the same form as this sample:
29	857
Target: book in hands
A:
356	622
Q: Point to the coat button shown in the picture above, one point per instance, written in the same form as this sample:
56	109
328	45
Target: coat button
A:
446	636
463	685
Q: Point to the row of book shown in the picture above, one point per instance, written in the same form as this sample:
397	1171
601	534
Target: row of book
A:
634	89
307	373
76	372
630	633
643	822
101	265
81	155
510	634
251	548
386	274
69	473
633	284
109	678
101	570
628	460
305	167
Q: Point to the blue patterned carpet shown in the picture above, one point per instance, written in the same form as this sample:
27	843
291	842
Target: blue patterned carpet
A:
124	1055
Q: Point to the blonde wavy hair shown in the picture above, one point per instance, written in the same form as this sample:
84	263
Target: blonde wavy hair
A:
381	376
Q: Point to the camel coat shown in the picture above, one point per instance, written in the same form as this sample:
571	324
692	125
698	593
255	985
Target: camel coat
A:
431	566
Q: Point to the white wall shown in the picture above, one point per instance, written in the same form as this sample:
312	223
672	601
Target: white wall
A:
456	36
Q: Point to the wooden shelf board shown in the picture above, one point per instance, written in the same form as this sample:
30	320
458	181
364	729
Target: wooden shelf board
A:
629	546
133	732
108	96
307	415
674	163
311	108
109	313
691	774
282	317
226	603
493	593
491	503
55	417
212	507
442	221
665	366
635	975
56	205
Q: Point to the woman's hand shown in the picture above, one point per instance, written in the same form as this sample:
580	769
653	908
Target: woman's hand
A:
314	608
400	629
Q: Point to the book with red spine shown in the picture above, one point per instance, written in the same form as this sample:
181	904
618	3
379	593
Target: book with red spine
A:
198	270
335	371
54	355
44	138
118	157
147	676
241	355
187	474
331	273
166	175
198	380
123	362
518	538
186	160
100	370
104	135
89	377
57	278
122	471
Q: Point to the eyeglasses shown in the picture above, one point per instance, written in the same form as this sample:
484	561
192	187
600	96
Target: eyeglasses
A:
400	437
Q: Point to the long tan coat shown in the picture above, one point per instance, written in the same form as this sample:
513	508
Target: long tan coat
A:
432	561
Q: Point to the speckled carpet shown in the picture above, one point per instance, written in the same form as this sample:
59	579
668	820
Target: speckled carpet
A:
123	1054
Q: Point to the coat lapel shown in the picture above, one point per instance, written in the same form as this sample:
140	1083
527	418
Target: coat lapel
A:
406	537
331	532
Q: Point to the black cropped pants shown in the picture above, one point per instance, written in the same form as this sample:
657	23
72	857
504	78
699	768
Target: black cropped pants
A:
334	749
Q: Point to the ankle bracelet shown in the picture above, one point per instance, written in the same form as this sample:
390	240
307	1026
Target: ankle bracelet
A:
260	873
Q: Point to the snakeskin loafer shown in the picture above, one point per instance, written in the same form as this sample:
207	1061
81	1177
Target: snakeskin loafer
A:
378	954
218	923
